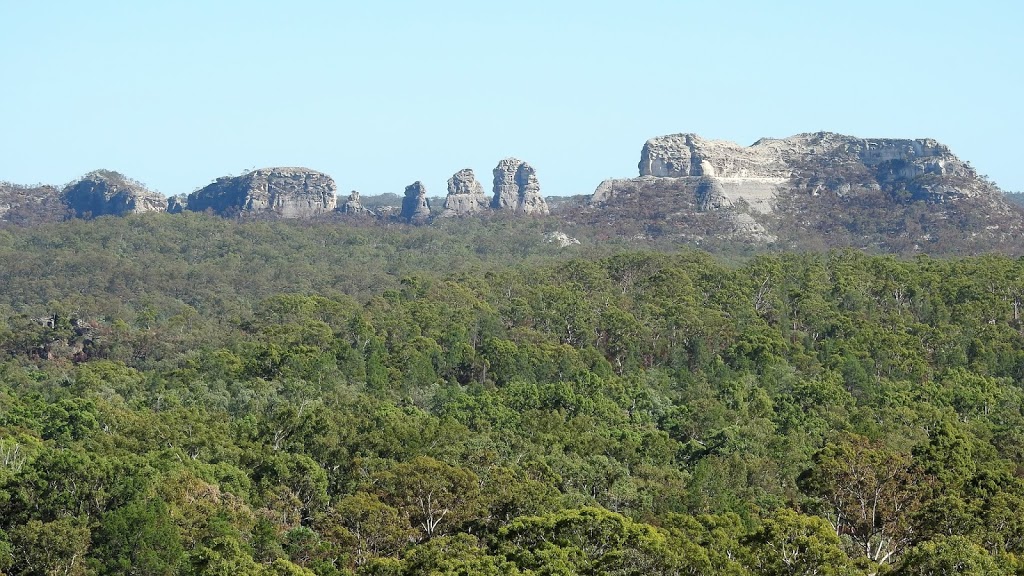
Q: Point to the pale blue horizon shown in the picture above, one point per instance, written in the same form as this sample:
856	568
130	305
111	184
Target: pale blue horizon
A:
382	94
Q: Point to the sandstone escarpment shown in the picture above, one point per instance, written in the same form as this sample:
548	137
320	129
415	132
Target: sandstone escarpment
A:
104	192
415	206
465	195
286	192
823	188
755	173
516	188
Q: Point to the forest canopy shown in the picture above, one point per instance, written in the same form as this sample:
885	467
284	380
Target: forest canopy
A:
188	394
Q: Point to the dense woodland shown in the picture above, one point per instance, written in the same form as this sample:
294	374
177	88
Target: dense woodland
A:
191	395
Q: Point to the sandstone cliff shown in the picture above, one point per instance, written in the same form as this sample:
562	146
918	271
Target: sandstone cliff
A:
286	192
104	192
823	159
820	189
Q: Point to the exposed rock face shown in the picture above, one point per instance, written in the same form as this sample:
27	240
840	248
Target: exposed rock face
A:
465	195
506	190
415	206
104	192
839	190
354	206
755	173
562	239
177	204
287	192
516	188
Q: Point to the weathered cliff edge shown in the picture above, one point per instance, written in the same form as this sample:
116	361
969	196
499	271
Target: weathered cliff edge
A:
286	192
777	187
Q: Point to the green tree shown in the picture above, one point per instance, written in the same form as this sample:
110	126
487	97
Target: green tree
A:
435	496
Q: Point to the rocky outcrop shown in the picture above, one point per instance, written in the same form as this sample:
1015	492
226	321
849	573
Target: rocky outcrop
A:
840	190
285	192
415	206
354	206
506	189
104	192
465	195
823	159
562	239
516	188
177	204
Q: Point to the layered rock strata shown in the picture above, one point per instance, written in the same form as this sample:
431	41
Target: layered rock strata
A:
286	192
684	175
465	195
755	173
516	188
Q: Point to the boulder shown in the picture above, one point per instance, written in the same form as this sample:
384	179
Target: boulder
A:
286	192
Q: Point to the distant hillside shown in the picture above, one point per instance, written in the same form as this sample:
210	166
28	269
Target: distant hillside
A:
809	191
805	192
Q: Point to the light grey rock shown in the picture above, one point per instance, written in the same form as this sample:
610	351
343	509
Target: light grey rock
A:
286	192
415	206
354	206
517	189
731	191
506	189
562	239
104	192
465	195
530	199
754	173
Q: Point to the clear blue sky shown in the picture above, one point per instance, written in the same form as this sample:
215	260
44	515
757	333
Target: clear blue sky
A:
382	93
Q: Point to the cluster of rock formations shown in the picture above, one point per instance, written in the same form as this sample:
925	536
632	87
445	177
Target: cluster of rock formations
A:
836	189
515	189
281	192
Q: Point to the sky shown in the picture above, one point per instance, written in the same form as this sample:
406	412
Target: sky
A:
382	93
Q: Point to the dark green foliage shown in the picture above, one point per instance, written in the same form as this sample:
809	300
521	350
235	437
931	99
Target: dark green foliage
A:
199	396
